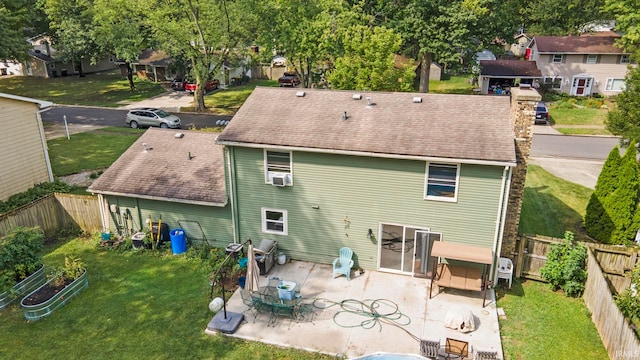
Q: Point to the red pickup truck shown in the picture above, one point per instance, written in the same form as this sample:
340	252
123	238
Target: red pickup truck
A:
190	87
289	79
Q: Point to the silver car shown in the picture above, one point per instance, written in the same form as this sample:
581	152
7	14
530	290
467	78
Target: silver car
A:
152	117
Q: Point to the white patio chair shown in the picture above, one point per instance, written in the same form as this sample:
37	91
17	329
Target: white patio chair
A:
505	270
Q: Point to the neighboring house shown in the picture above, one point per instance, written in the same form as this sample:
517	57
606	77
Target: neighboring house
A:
581	65
175	176
386	174
43	62
24	158
498	76
153	65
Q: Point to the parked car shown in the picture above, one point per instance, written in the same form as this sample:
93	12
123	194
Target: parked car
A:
178	83
289	79
209	85
542	113
152	117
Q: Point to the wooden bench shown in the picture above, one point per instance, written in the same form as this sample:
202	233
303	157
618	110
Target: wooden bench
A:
458	277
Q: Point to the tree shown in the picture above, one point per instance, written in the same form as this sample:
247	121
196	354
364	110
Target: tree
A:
624	120
121	30
203	31
442	30
596	220
553	17
612	213
305	32
368	62
15	20
565	266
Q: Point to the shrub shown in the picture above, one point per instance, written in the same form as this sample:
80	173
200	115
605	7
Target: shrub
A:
19	255
629	302
565	267
37	192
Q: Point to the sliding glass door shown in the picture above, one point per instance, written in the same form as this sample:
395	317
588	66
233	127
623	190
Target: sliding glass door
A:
406	249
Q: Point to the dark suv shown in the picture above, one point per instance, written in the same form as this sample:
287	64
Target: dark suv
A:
289	79
542	113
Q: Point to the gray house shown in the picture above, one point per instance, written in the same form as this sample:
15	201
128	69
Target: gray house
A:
386	174
172	176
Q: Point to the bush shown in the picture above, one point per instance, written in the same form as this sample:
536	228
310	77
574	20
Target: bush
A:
629	302
565	267
37	192
19	255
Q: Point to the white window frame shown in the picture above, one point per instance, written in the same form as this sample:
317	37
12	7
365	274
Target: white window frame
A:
555	60
282	220
625	59
591	59
456	184
610	82
270	170
554	81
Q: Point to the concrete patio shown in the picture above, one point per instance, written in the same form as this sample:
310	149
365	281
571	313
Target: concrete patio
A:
352	334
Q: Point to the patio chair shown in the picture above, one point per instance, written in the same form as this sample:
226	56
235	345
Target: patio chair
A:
457	348
484	355
505	270
343	264
429	348
305	312
247	300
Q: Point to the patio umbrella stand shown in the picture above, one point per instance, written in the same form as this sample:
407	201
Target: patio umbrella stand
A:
225	321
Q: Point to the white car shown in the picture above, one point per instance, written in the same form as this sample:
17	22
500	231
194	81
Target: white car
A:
152	117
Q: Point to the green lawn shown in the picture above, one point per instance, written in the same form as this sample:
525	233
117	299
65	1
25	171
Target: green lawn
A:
137	306
228	101
578	116
459	84
541	324
102	89
90	151
551	205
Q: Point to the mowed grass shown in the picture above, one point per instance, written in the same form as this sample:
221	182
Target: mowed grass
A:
228	101
102	89
578	116
551	205
541	324
89	151
137	306
459	84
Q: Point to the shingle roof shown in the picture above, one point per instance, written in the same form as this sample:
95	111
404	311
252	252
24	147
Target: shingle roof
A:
468	127
154	57
517	68
577	44
188	169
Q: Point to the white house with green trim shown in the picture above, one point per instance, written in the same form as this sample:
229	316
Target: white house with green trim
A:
386	174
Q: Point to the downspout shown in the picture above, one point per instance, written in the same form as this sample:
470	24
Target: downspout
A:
232	194
501	216
44	143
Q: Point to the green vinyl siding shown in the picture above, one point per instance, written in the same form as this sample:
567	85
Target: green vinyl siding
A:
215	221
337	198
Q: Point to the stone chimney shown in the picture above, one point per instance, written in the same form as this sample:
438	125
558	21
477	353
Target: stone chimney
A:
523	114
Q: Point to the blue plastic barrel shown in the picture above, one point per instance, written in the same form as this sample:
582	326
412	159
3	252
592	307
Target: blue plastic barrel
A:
178	241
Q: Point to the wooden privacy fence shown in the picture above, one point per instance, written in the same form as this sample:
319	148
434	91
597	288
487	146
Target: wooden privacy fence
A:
614	260
55	212
616	334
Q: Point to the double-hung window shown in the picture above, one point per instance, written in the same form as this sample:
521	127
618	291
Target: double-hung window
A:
277	165
557	58
624	59
274	221
554	82
615	84
591	59
442	182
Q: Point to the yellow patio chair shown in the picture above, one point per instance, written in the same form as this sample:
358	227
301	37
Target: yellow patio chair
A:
344	263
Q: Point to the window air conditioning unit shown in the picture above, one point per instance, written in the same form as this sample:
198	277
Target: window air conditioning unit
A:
279	179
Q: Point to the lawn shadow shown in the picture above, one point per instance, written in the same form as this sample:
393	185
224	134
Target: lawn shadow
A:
516	289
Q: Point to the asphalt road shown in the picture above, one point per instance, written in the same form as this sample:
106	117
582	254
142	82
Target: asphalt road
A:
573	147
115	117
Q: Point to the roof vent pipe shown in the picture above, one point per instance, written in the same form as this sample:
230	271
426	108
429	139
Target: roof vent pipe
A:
344	116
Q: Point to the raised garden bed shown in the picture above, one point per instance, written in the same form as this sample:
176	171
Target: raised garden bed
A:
47	298
25	286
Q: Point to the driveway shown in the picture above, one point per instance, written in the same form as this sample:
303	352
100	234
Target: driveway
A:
170	101
345	329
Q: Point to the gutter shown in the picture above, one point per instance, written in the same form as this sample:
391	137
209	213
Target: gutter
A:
45	149
159	198
370	154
